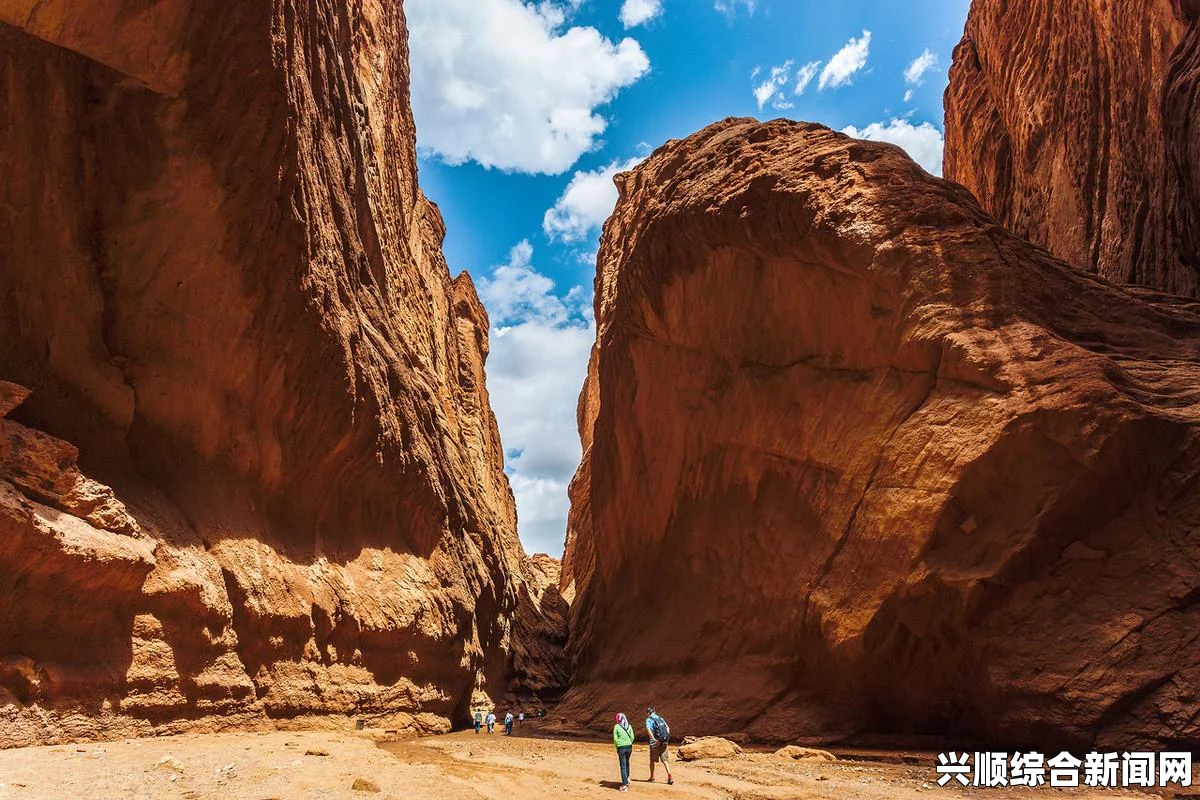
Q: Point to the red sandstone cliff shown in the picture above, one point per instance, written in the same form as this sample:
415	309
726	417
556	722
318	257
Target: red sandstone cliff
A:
1075	124
859	460
224	286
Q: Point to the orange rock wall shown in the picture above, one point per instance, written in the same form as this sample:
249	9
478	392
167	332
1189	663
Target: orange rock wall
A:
860	462
1074	123
224	286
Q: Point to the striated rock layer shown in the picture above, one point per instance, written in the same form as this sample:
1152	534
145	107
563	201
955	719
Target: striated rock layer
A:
860	461
223	285
1075	124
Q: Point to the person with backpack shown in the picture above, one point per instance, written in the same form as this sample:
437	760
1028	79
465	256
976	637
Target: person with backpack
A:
490	721
478	720
660	734
623	740
508	723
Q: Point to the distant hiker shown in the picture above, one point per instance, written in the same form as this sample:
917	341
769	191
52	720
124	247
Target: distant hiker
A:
623	741
491	721
478	720
521	717
660	734
508	721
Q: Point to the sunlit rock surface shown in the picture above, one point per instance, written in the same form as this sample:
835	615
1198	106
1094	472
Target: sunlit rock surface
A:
225	288
1077	125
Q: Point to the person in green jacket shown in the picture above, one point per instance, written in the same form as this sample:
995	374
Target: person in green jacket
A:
623	740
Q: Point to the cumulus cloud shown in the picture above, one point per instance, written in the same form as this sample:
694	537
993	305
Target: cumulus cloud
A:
730	7
914	74
922	142
639	12
845	62
585	204
540	341
805	74
507	84
771	89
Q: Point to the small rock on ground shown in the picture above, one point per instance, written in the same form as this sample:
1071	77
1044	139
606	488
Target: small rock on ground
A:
364	785
797	753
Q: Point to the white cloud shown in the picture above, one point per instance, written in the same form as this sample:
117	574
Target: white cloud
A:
543	505
501	82
805	74
845	62
771	90
908	96
540	343
730	7
914	74
639	12
922	142
586	203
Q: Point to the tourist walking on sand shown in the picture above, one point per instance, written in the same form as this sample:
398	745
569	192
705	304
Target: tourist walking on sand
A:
660	734
508	721
623	741
478	720
491	722
521	717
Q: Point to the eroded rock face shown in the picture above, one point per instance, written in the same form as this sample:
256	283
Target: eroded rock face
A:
224	286
539	668
861	461
1075	124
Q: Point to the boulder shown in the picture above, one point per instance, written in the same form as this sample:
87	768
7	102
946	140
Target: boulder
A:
708	747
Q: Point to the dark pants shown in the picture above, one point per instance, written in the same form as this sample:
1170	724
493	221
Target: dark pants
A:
508	729
623	754
658	752
477	727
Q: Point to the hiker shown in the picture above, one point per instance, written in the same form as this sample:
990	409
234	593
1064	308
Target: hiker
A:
623	740
660	734
491	721
521	717
508	721
478	720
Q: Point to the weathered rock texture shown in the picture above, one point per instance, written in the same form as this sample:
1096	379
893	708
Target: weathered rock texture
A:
1077	125
222	283
861	461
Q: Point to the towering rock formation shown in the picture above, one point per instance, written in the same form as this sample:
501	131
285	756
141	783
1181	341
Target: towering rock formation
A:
1076	125
223	285
859	460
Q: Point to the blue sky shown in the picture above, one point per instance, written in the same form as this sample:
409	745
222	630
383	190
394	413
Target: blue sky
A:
524	110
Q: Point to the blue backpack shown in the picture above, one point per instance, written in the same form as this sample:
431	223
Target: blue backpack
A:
662	731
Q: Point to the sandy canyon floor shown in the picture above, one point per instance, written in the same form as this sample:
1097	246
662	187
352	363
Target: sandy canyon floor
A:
259	766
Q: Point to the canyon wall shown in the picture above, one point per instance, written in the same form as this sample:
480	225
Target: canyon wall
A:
1074	123
859	461
223	286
